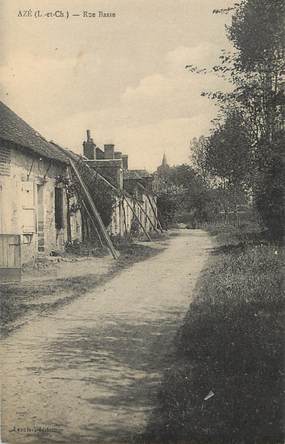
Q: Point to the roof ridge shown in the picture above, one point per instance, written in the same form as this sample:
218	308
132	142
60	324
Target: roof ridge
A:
16	130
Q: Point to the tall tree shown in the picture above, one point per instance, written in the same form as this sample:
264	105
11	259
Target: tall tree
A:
198	156
258	33
227	152
256	70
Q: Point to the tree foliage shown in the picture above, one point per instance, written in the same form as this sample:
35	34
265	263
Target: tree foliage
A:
258	33
185	196
227	151
246	144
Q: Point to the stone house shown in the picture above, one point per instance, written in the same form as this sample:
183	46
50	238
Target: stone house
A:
135	208
34	216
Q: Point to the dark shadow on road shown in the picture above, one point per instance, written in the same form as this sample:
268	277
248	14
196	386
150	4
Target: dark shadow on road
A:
121	362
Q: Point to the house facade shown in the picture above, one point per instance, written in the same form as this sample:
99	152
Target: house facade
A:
41	207
34	205
135	208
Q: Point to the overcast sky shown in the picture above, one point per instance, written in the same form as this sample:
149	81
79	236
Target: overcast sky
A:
124	78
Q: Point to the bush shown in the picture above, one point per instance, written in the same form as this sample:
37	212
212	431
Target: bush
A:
166	206
270	192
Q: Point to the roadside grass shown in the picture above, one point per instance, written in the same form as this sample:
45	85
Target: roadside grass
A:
230	348
19	299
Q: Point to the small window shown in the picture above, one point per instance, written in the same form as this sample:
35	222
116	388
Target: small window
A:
58	210
5	161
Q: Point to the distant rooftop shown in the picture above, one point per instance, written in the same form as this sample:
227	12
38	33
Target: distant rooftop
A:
136	174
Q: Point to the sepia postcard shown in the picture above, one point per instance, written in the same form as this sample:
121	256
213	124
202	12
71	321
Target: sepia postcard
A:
142	221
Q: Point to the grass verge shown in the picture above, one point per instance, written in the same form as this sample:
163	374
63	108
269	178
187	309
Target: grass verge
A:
226	381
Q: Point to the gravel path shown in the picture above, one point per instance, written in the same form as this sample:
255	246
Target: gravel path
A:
89	371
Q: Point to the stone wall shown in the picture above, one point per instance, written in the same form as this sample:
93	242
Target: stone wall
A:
27	203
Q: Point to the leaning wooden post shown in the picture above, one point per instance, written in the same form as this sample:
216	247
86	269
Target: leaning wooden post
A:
155	214
93	223
150	221
119	193
123	193
137	218
125	218
153	210
95	212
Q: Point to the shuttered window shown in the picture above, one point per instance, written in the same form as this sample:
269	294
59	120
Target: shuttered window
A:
58	210
5	161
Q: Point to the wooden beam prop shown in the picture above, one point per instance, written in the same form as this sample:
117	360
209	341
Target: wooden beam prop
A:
155	213
125	194
150	202
125	217
79	197
137	218
150	221
121	193
93	223
117	191
97	216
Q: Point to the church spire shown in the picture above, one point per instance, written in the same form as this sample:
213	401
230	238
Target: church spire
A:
163	167
164	163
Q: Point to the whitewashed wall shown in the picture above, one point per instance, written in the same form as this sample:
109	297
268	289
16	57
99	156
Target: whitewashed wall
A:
19	209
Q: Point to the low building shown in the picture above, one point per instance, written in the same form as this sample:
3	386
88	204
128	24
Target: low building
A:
135	209
139	185
34	206
43	206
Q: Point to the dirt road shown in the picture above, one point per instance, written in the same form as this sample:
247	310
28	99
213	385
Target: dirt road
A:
89	371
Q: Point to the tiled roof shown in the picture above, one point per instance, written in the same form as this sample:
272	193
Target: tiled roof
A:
16	130
136	174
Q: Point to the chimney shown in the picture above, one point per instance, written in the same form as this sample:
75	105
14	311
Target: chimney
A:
125	158
117	155
89	147
109	151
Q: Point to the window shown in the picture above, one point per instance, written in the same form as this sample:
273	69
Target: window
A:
58	208
5	161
